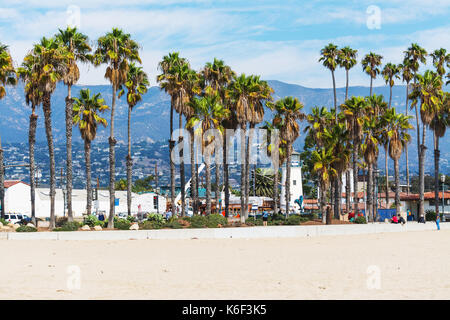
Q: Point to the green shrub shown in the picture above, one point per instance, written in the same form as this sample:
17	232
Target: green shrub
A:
122	224
214	220
131	219
278	217
68	226
60	221
310	216
26	229
360	220
91	220
149	225
294	220
430	215
155	217
173	225
198	221
4	222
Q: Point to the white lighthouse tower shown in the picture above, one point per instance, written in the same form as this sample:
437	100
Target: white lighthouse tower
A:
295	183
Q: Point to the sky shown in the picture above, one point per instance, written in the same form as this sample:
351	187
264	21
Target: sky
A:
279	40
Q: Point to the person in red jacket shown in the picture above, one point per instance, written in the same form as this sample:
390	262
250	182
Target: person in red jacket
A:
394	219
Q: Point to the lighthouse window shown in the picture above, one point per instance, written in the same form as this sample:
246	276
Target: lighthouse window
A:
294	182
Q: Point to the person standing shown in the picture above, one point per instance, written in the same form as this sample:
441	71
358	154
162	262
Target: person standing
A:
265	218
438	220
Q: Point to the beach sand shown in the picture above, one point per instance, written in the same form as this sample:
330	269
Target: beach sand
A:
413	265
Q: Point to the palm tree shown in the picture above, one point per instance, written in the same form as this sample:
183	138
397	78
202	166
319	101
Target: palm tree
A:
208	114
33	98
347	60
86	115
51	61
416	55
77	46
218	76
397	125
407	76
440	58
116	49
329	59
288	112
354	110
390	72
7	77
370	64
264	179
428	91
137	85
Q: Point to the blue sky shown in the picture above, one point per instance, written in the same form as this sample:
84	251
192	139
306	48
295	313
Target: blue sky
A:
279	41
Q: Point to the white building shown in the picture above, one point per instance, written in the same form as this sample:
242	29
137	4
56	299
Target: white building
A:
296	185
18	200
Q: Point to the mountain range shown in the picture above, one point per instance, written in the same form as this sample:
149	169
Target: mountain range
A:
150	118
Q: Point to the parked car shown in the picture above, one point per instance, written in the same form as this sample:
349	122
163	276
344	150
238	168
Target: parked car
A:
13	218
122	215
25	219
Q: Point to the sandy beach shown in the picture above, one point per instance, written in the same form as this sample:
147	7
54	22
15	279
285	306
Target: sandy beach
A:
408	265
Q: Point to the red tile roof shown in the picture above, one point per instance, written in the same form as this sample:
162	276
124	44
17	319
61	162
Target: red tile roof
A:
10	183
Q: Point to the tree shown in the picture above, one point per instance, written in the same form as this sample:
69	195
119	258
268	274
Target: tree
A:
78	49
347	60
406	71
264	179
51	61
397	126
329	59
116	49
390	72
288	112
370	64
208	114
416	55
137	85
87	111
7	77
440	58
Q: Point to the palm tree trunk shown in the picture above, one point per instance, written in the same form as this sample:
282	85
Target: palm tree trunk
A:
172	164
2	182
406	147
371	83
48	131
387	178
244	210
247	165
217	191
421	195
194	188
275	186
288	178
182	176
208	185
347	190
335	97
112	161
225	175
397	184
338	195
423	148
87	157
31	143
375	188
436	172
346	84
322	195
69	124
369	213
129	165
197	198
355	178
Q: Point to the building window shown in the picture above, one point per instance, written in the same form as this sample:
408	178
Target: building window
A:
294	182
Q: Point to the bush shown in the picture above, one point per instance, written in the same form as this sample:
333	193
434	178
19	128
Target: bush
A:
430	215
278	217
60	221
155	217
122	224
294	220
310	216
149	225
131	219
360	220
4	222
68	226
91	220
214	220
173	225
26	229
198	221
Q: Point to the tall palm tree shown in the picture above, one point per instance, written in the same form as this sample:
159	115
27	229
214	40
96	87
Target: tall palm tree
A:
78	47
7	77
51	61
33	98
390	72
116	49
87	111
397	125
354	109
137	85
440	59
370	64
329	59
407	76
347	60
416	55
218	77
208	114
428	91
288	112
